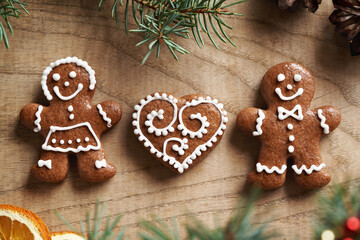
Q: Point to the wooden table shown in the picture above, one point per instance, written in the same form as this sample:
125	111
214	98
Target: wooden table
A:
142	186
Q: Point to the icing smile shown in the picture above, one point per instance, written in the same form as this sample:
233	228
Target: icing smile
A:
282	97
57	92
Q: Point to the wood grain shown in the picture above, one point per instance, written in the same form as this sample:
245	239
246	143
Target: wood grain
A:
142	186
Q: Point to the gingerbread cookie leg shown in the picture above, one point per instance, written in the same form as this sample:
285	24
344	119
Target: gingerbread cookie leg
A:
52	166
309	169
93	166
270	170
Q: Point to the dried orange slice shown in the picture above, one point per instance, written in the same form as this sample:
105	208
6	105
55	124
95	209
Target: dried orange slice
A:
66	236
21	224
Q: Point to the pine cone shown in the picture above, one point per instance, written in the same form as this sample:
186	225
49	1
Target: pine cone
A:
346	17
311	5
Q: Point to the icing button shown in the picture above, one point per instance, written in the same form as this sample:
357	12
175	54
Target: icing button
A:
291	138
291	149
290	126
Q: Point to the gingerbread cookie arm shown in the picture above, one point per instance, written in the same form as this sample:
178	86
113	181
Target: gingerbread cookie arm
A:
31	116
110	112
250	121
329	118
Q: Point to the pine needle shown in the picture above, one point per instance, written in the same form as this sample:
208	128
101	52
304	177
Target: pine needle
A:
10	9
166	19
93	225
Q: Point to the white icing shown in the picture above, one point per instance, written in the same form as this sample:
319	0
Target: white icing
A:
260	168
46	163
53	140
104	116
299	92
53	129
281	77
290	126
297	77
57	92
159	114
151	128
69	142
323	120
259	122
203	119
308	170
289	87
38	119
296	113
161	154
78	140
72	74
175	147
291	138
71	117
291	149
100	164
62	141
56	77
70	108
75	60
66	83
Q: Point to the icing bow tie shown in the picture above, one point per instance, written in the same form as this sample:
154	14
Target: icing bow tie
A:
46	163
296	113
100	164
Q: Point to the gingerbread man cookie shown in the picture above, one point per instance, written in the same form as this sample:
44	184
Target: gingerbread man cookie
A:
71	125
289	129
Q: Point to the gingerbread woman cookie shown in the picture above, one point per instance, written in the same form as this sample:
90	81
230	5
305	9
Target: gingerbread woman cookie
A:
71	125
289	129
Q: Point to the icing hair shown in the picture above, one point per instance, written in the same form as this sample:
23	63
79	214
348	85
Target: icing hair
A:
78	62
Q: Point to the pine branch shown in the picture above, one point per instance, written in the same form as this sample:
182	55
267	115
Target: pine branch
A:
92	231
239	227
160	21
8	9
336	209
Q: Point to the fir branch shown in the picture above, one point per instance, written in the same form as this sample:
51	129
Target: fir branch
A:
158	229
162	20
8	9
239	227
336	209
93	225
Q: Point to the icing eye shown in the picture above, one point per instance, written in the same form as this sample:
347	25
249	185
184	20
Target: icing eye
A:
72	74
281	77
297	78
56	76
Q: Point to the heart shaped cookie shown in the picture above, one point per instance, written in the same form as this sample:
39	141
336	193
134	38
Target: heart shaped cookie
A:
179	131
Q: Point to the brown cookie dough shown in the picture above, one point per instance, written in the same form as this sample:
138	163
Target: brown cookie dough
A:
71	124
289	129
179	132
